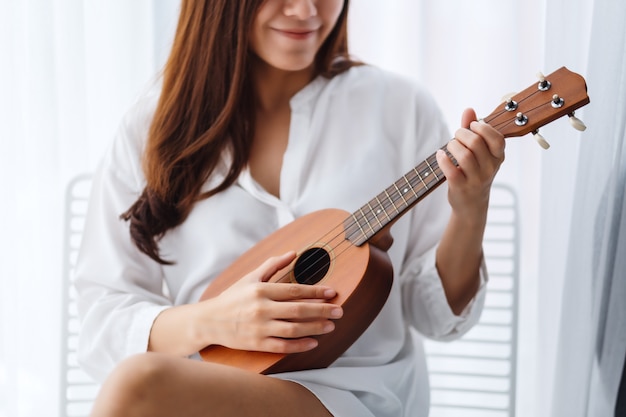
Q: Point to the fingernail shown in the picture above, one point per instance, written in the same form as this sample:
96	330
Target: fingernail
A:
330	293
329	327
336	312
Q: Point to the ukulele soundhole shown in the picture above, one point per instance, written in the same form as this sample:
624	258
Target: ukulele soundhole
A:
311	267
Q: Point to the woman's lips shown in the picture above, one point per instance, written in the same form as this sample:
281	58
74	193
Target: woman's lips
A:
297	34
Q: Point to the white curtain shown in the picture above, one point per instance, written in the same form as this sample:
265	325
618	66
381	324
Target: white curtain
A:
566	40
592	337
68	69
471	54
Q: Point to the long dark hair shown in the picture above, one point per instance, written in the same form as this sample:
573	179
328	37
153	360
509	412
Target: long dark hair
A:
205	108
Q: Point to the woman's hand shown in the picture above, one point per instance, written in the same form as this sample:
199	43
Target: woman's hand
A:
479	150
253	314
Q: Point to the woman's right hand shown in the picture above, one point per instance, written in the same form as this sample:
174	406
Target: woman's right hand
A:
252	314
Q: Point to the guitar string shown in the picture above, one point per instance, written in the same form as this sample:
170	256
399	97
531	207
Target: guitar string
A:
393	203
350	225
346	241
496	115
345	227
364	216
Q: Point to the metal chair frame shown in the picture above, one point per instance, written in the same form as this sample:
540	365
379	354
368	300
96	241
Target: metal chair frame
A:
476	375
78	390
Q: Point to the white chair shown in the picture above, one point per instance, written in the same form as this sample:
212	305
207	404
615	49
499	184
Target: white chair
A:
475	375
470	377
78	390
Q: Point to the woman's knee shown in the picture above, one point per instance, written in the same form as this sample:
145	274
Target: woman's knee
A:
136	384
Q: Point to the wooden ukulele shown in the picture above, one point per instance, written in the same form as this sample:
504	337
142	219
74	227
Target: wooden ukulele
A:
349	251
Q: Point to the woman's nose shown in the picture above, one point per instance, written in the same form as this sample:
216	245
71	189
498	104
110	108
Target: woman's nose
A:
302	9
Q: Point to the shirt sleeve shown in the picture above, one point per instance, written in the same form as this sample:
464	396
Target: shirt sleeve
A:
426	305
120	290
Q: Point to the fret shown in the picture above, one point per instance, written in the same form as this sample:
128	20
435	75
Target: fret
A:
400	194
367	221
431	169
420	177
380	225
383	208
391	200
349	228
410	188
359	225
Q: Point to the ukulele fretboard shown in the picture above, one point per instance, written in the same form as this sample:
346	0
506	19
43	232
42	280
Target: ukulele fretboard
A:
395	200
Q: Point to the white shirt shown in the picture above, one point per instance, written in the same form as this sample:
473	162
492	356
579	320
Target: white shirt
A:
350	138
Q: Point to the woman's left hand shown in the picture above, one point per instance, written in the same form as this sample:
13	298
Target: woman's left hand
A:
479	150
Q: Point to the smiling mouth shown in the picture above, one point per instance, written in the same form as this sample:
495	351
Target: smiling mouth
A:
296	34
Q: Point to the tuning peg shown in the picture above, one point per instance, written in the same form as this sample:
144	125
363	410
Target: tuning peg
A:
576	122
541	140
557	102
510	104
543	83
507	97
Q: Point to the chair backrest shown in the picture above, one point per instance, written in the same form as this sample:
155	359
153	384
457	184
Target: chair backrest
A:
78	390
476	375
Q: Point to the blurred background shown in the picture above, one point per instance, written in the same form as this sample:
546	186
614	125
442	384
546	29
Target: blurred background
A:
69	70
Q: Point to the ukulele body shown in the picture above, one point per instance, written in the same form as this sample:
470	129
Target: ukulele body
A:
361	275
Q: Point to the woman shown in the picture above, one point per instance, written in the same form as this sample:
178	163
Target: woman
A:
262	117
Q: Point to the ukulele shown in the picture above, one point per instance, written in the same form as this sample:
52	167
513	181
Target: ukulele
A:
348	251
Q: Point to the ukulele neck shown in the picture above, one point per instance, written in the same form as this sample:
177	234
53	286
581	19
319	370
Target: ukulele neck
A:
395	200
556	95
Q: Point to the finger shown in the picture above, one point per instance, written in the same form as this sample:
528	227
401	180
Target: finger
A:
280	345
494	140
467	149
450	171
289	292
467	164
448	167
485	146
306	311
273	265
468	116
295	330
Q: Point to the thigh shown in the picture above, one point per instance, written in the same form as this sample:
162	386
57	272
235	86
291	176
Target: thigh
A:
163	385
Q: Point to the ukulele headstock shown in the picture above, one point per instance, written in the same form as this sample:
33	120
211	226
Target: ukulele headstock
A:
553	96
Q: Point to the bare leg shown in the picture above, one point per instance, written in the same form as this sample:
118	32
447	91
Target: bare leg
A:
160	385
